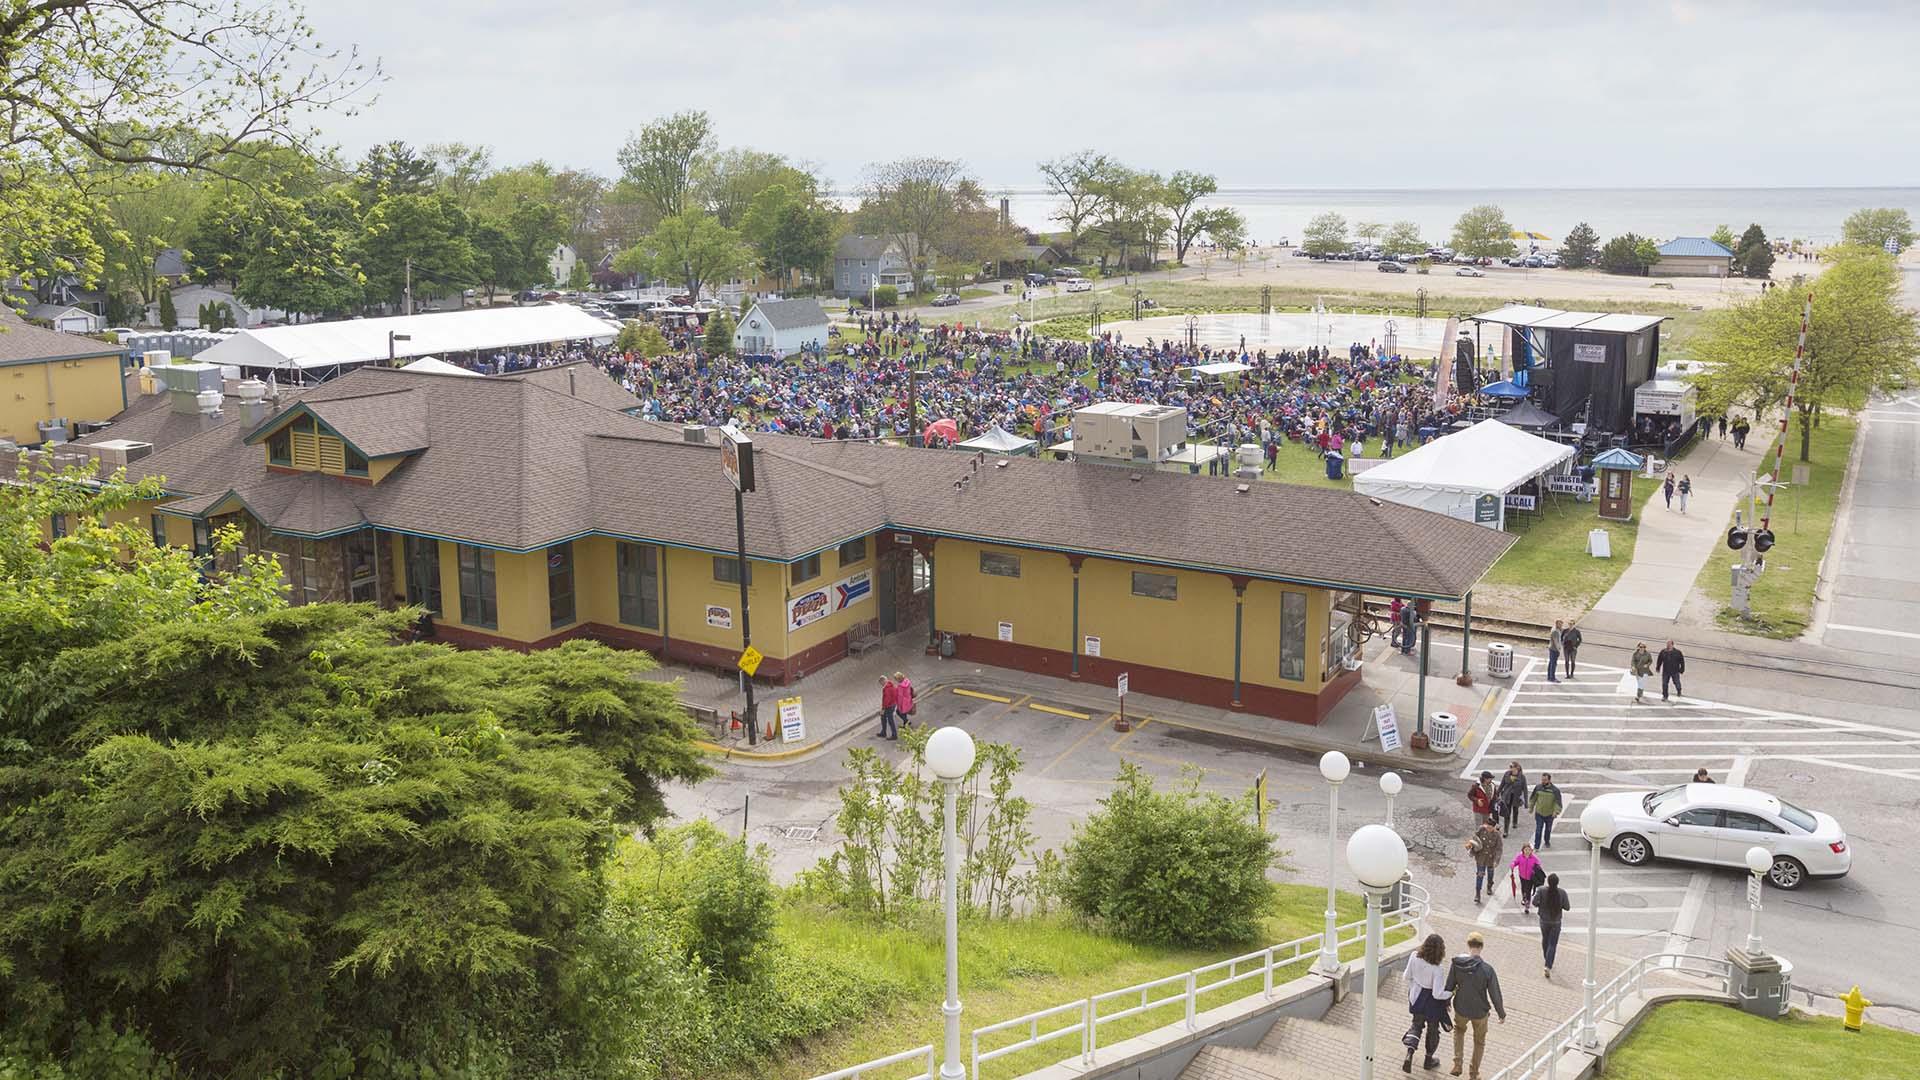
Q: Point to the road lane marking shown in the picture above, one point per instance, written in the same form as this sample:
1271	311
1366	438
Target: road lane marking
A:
1872	630
1499	718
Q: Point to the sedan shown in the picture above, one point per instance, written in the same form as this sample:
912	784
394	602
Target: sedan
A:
1716	824
1469	271
1390	267
946	300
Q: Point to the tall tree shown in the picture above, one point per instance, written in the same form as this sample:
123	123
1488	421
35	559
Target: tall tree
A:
427	233
394	168
147	212
1754	254
726	182
918	203
791	230
1403	240
1326	234
1181	196
1723	236
690	248
1135	218
299	255
1483	233
660	161
1628	253
1225	227
1369	230
1082	182
1861	339
1875	228
1581	249
458	171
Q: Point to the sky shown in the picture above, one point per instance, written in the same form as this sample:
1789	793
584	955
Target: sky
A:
1449	94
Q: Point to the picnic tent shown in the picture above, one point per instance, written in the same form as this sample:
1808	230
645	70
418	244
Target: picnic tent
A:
326	348
1527	415
998	440
1467	474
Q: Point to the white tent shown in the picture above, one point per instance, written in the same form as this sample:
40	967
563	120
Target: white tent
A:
433	365
1465	474
997	440
1218	368
350	342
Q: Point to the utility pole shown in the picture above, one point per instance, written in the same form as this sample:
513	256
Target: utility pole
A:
736	460
408	308
913	407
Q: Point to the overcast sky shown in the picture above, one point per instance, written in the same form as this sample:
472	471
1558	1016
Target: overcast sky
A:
1349	94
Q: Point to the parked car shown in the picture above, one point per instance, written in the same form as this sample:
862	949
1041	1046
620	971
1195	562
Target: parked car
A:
1065	273
1552	261
1038	279
1079	284
946	300
1469	271
1388	266
1535	262
1717	823
1297	252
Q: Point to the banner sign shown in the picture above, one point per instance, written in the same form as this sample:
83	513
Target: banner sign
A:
827	600
1590	354
793	723
1093	645
1388	725
1520	502
1486	510
721	617
736	458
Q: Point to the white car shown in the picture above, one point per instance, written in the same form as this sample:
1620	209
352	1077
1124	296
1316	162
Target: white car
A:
1079	284
1717	823
1469	271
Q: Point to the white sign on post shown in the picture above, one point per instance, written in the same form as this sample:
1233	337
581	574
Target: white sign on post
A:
1121	684
1388	725
793	723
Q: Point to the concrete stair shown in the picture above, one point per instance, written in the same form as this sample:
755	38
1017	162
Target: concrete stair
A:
1329	1048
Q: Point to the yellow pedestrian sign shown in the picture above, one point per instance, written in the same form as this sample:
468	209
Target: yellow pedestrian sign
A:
750	660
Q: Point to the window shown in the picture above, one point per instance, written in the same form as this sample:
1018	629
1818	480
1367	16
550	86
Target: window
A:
58	525
637	574
363	568
313	587
423	571
1740	819
305	443
1293	636
280	448
1801	820
159	531
333	455
560	585
356	465
806	569
1156	586
479	604
202	539
852	552
999	564
728	570
1699	819
922	574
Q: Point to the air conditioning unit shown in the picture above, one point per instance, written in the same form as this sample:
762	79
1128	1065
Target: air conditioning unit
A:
194	378
116	453
1118	431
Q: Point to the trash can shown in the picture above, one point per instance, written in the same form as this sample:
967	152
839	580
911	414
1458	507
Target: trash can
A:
1335	464
1500	660
1443	733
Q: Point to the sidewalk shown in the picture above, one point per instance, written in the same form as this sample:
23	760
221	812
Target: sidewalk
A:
844	698
1672	546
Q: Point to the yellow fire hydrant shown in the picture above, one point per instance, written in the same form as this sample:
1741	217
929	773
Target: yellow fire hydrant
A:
1856	1005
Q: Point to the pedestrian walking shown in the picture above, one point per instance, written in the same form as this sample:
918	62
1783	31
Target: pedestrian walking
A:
903	697
1393	617
1547	804
1554	641
1701	776
1409	627
1667	489
1475	987
1552	902
1642	667
889	709
1685	489
1527	871
1480	796
1671	664
1570	645
1723	427
1485	847
1427	996
1509	797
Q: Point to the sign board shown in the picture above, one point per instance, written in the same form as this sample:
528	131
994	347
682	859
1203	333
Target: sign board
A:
1388	725
1093	646
721	617
1121	684
750	660
1663	399
1590	354
793	723
903	538
1520	502
826	600
1600	543
736	458
1486	510
1006	631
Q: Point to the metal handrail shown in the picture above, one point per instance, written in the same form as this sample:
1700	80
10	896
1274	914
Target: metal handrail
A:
918	1053
1543	1057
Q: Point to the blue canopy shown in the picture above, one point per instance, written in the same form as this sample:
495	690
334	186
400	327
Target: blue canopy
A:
1617	458
1504	389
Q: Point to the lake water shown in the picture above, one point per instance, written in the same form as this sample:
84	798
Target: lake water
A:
1812	214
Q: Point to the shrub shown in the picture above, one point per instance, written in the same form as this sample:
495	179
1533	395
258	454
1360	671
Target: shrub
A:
885	296
1176	866
714	894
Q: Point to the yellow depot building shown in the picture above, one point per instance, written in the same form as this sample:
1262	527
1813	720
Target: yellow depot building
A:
526	509
46	375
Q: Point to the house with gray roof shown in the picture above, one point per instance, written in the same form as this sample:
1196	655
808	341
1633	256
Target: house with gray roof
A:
1692	256
861	262
781	328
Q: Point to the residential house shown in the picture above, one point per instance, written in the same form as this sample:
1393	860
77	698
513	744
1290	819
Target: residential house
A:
860	262
1692	256
560	264
781	328
67	318
189	299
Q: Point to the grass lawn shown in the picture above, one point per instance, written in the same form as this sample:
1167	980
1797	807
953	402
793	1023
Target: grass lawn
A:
1009	968
1551	561
1701	1040
1782	599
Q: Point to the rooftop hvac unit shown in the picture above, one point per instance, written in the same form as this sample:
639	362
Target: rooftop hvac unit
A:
694	433
1118	431
54	430
193	378
114	453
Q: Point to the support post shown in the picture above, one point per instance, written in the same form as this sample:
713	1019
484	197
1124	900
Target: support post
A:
1239	616
1426	647
933	635
1074	645
752	717
950	1068
1466	641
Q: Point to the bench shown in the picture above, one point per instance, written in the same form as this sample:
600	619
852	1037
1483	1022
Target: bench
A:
860	638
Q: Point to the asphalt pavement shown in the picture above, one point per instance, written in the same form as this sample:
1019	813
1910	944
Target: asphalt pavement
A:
1871	603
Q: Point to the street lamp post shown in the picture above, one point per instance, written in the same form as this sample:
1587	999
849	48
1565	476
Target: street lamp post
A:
1390	785
950	755
393	336
1334	767
1378	857
1596	824
1759	860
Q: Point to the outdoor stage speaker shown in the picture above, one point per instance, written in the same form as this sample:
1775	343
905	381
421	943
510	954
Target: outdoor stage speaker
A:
1463	373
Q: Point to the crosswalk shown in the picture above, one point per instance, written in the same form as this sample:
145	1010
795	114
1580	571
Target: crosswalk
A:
1593	738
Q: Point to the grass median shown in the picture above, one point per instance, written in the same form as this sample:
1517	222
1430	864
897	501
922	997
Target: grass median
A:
1701	1040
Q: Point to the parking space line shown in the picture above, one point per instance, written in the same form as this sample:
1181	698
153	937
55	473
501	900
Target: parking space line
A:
1037	707
983	696
1092	730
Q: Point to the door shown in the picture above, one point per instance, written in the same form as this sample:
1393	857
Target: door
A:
884	572
1690	835
1742	831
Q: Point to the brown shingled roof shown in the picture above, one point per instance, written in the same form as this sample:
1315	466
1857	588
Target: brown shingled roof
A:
22	342
579	379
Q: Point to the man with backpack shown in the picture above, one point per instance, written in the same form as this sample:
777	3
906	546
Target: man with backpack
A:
1485	848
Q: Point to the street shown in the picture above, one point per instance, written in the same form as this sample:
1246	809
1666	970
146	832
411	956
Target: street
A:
1872	593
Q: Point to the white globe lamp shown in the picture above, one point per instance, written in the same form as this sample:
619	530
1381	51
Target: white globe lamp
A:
1378	857
1596	823
950	753
1759	860
1334	766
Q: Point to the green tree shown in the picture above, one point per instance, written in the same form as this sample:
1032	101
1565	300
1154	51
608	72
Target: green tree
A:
426	230
1629	253
1181	196
791	229
1754	254
277	843
1369	230
718	339
921	204
690	248
169	318
394	168
1403	239
660	161
1225	227
1874	228
727	182
1483	233
643	338
1861	339
1135	218
1582	248
1326	234
1723	236
299	254
1170	866
1082	182
579	277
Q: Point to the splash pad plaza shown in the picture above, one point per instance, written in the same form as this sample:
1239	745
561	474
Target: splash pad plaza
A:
1285	330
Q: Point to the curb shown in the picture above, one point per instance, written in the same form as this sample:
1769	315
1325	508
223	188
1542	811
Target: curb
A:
744	756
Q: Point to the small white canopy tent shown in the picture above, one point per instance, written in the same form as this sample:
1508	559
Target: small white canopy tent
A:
1452	474
998	440
433	365
350	342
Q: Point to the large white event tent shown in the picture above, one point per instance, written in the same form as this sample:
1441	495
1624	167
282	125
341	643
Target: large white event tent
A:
324	348
1454	473
433	365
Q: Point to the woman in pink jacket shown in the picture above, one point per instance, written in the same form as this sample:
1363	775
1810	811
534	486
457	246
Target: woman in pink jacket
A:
903	697
1526	867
